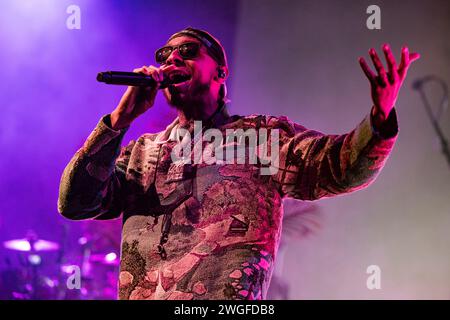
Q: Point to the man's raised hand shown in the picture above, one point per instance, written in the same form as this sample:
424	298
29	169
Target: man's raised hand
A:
385	85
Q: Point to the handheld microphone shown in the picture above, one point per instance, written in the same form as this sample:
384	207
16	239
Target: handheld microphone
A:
130	79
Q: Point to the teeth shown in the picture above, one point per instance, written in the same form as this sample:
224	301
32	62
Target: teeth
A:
179	77
178	74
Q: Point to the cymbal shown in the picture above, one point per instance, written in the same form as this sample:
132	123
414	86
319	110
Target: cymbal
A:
110	258
26	245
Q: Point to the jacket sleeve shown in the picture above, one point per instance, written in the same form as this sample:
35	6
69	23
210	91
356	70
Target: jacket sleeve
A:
92	184
313	165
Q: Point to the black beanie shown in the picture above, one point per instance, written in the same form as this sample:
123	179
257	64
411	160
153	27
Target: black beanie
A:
214	47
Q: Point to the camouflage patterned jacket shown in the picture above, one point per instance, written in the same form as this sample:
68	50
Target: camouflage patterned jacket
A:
204	231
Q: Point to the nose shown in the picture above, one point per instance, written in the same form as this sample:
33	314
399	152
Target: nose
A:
175	58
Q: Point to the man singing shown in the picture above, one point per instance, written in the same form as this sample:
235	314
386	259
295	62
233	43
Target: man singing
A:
210	230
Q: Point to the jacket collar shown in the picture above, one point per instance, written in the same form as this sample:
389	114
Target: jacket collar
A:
216	120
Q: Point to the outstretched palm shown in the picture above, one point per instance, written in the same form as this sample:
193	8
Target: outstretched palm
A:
386	85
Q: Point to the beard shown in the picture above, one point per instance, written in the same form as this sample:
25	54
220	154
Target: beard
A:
187	100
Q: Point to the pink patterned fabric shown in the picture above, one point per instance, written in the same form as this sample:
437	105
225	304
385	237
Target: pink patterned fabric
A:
222	221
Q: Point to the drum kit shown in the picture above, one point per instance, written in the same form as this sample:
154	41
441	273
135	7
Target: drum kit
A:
43	268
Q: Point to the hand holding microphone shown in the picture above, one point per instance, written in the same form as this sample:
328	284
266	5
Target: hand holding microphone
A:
136	99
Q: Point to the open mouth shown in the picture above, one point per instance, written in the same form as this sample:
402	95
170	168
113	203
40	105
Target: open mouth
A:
179	77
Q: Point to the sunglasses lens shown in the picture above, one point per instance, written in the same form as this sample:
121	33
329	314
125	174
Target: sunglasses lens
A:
162	54
189	50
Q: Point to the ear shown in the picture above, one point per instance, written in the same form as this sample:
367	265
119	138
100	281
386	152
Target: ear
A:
222	74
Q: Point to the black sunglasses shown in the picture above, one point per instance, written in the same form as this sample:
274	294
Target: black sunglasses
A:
187	50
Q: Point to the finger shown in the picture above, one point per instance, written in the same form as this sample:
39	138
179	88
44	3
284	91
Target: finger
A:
137	70
404	63
369	74
148	71
151	72
405	59
392	65
157	73
378	66
414	56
